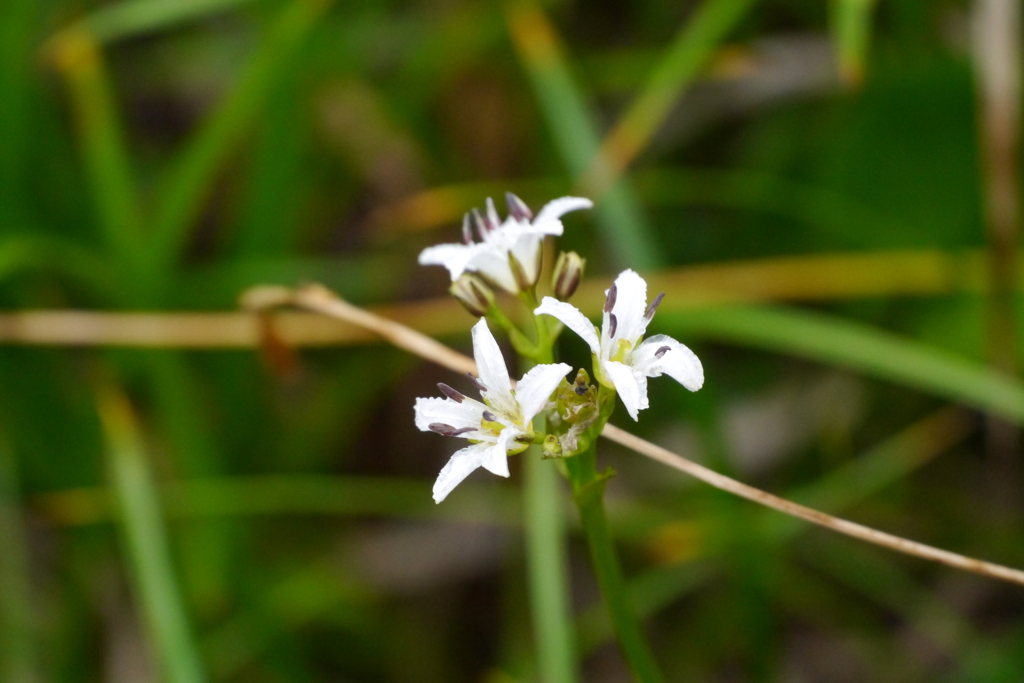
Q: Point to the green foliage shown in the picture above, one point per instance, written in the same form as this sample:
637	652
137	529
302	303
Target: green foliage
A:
266	515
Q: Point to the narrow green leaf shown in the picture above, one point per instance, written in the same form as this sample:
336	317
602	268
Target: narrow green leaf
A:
851	32
142	529
20	253
690	52
17	658
189	182
100	134
132	18
308	494
860	348
627	237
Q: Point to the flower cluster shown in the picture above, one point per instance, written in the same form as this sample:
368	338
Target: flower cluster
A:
508	255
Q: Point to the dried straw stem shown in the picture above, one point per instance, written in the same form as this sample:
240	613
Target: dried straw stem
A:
319	299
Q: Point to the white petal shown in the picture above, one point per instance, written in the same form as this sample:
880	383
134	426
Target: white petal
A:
630	306
572	318
469	413
630	385
493	371
678	362
557	208
526	249
495	458
536	387
491	261
461	464
454	257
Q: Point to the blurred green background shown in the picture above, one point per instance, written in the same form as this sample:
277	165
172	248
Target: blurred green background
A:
807	181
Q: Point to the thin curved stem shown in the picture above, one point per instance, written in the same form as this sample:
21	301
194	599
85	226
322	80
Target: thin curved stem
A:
418	343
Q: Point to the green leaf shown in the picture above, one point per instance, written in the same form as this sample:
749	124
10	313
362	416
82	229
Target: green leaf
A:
858	347
142	529
137	17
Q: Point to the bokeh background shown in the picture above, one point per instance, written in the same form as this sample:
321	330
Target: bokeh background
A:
827	192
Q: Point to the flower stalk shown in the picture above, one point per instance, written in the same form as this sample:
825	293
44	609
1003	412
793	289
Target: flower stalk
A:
588	493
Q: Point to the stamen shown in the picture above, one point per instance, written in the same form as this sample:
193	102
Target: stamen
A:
489	416
464	430
467	231
442	428
450	393
493	219
581	389
613	323
662	351
518	208
481	224
609	303
476	383
654	306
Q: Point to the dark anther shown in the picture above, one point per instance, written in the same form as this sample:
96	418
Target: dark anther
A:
662	351
441	428
481	224
654	306
489	416
467	230
518	208
450	393
609	303
613	323
476	383
581	389
464	430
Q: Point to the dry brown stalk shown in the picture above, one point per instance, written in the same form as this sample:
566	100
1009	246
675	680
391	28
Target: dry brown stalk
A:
793	278
321	300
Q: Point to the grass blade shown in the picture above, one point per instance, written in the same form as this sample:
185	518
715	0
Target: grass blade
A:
628	240
860	348
186	188
100	133
17	660
145	539
851	32
137	17
688	54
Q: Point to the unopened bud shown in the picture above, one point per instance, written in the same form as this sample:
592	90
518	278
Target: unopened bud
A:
523	281
567	275
474	295
552	447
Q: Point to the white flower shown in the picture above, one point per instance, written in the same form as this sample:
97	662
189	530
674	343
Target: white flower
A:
495	428
508	254
622	360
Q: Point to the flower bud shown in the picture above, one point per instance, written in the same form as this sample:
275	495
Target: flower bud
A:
523	281
567	275
474	295
552	448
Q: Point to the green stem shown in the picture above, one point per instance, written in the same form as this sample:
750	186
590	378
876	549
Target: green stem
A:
588	493
544	527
